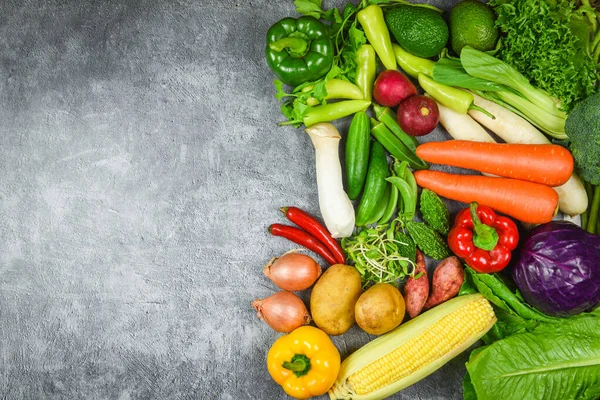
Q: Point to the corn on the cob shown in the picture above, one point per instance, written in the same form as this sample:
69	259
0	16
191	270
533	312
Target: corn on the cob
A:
414	350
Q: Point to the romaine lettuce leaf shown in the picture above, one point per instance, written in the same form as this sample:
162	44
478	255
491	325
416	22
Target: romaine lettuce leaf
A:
554	361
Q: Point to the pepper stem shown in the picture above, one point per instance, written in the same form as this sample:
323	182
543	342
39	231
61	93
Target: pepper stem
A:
482	110
299	365
296	46
485	237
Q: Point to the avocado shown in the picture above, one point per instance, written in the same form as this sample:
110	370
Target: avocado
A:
419	30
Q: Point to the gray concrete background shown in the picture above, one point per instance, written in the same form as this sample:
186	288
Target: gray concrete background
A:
141	163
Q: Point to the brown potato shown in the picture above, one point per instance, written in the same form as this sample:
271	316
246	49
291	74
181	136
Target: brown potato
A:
333	298
380	309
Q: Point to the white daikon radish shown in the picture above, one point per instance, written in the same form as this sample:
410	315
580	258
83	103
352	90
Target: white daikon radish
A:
336	208
462	126
572	197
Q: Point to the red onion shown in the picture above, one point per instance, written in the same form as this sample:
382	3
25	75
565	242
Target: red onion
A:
282	311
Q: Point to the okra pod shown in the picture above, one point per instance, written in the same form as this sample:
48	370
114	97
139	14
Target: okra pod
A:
395	146
388	117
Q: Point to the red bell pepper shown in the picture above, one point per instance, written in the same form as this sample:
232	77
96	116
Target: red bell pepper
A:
483	239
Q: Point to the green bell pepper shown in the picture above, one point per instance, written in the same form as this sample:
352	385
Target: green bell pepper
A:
299	50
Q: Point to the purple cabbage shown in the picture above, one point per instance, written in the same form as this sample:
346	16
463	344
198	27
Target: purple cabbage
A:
558	269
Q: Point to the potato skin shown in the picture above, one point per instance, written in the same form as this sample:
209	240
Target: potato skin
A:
416	291
380	309
333	298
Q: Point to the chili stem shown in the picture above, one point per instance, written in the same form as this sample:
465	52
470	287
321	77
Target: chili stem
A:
481	110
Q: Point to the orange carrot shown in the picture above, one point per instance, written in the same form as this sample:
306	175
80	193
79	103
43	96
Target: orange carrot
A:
526	201
548	164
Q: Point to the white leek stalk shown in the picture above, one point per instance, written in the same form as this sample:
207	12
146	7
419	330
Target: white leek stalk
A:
336	208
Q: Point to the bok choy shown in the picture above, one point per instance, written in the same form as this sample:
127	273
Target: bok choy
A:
497	81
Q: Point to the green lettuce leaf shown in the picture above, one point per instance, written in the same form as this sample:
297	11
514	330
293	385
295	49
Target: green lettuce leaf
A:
554	361
549	42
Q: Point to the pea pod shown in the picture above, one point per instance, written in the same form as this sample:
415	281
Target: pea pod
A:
398	167
358	143
391	205
409	200
372	21
366	70
412	183
412	64
388	117
453	98
374	185
332	111
395	146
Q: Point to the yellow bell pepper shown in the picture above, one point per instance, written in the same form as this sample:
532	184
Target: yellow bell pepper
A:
305	362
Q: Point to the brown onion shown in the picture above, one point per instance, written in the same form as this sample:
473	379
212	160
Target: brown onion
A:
293	271
282	311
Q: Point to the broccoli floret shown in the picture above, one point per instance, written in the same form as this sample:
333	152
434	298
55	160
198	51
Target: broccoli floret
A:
583	129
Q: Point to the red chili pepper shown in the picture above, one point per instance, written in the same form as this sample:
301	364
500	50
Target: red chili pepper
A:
302	238
483	239
307	222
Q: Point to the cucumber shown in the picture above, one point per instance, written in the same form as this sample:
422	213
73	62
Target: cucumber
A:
381	206
375	184
357	154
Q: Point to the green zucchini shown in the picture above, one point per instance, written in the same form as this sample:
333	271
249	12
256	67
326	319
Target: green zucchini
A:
357	154
375	184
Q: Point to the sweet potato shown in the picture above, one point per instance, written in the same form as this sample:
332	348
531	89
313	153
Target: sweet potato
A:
448	277
416	291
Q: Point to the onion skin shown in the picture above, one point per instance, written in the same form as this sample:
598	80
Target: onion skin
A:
282	311
293	272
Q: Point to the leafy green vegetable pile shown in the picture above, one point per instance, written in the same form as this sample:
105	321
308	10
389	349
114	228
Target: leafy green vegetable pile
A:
550	43
530	355
381	254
